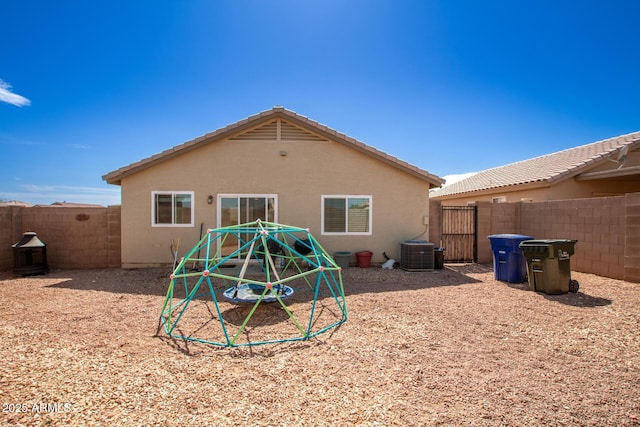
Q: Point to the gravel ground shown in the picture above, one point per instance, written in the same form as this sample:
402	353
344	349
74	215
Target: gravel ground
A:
451	347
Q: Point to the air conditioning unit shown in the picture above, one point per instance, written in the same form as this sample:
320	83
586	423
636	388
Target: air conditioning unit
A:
417	255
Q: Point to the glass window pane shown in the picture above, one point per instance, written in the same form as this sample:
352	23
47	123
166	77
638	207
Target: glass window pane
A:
335	215
256	209
271	209
229	211
182	209
358	219
163	208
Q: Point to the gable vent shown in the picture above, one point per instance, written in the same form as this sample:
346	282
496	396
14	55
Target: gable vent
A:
290	132
263	133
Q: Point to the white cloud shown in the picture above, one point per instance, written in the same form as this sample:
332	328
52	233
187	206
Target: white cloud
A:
47	194
79	146
452	179
11	98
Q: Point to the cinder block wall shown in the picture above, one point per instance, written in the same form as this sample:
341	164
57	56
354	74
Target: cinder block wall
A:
114	233
485	228
632	238
8	221
607	230
504	216
597	224
608	241
76	237
435	222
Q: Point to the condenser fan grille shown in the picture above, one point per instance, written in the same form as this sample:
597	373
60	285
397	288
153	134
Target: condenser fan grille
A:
417	255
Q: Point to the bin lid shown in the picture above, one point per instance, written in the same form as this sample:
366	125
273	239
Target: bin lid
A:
545	242
510	237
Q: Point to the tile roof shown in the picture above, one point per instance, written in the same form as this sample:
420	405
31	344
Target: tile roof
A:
74	205
546	170
14	203
115	177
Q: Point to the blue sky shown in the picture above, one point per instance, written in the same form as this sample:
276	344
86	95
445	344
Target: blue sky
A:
452	86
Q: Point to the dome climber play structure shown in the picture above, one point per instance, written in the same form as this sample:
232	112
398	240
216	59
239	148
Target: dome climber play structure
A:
252	284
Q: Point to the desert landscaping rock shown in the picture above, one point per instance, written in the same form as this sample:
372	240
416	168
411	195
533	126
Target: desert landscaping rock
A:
451	347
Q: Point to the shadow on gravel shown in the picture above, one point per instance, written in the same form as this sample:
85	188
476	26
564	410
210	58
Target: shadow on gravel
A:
191	348
146	281
374	280
155	281
578	299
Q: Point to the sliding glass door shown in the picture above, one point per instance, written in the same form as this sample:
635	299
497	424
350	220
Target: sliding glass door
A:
234	209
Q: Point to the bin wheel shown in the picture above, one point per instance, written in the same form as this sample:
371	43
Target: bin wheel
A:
574	286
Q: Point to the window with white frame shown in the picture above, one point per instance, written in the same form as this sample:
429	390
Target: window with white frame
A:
172	208
346	215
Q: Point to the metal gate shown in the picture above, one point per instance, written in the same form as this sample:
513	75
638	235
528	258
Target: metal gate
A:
459	237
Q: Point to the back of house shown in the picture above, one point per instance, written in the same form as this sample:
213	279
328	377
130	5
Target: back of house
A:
277	166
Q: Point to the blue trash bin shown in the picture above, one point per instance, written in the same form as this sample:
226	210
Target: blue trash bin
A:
509	263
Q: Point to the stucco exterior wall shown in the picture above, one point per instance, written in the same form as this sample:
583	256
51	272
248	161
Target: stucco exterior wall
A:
299	172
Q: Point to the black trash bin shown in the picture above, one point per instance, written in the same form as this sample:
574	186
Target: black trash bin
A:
509	264
438	258
549	266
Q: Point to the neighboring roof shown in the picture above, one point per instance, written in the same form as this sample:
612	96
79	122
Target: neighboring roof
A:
116	176
56	204
75	205
545	170
14	203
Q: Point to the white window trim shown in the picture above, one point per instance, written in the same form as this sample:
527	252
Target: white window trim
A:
173	193
347	197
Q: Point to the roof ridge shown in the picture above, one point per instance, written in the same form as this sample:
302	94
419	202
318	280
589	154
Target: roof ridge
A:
357	142
116	175
581	146
549	168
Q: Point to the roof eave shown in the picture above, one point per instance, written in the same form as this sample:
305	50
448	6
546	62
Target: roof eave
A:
492	190
631	141
115	177
608	174
319	128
